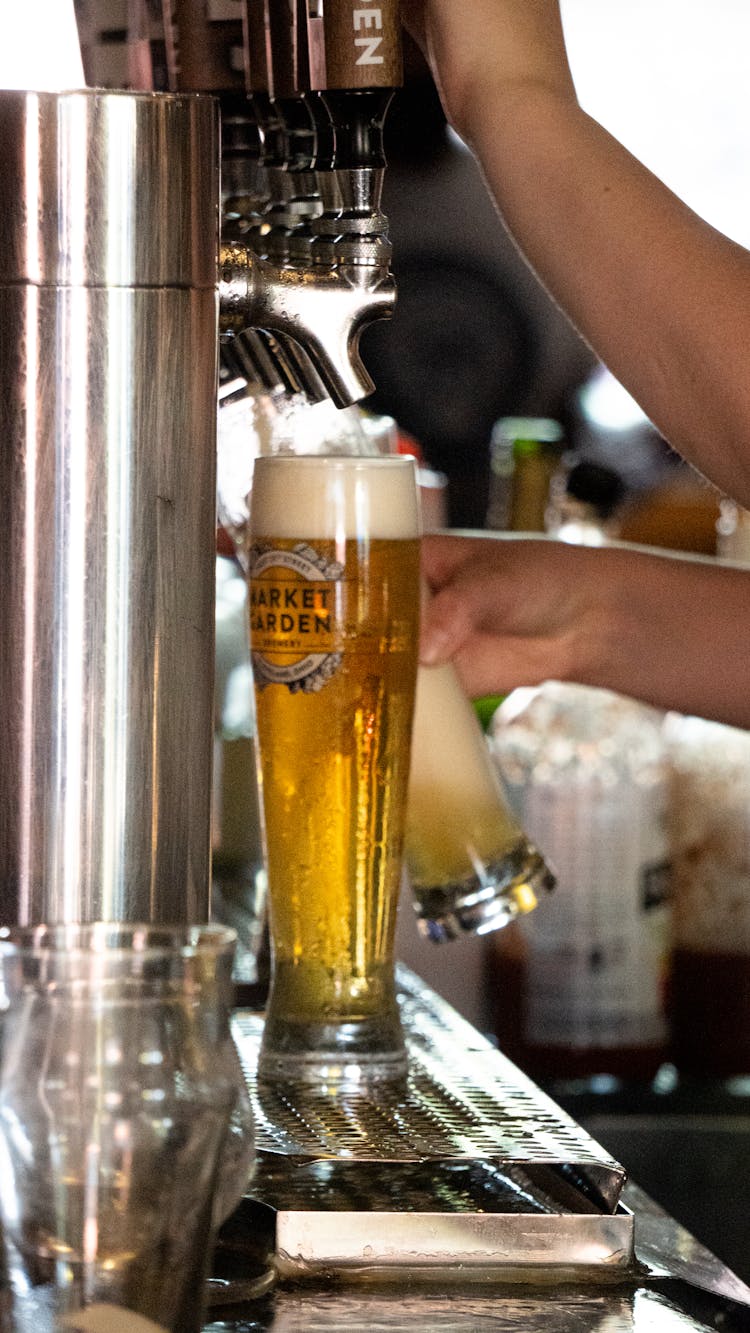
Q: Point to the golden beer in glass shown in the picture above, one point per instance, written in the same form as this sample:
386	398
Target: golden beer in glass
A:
334	619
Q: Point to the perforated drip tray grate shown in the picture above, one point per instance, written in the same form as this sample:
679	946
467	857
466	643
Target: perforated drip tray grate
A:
469	1165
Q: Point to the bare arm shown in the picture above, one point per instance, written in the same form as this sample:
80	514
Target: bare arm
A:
517	611
662	298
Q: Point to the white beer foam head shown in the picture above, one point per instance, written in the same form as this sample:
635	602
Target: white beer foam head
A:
334	497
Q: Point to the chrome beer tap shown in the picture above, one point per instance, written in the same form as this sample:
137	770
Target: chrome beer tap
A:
331	69
313	271
208	55
355	65
107	537
290	146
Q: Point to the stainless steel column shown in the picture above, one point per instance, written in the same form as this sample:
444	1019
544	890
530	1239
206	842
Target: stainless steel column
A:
108	343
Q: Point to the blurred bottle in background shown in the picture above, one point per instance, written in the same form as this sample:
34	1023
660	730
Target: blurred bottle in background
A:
733	533
709	831
665	503
525	453
580	986
585	500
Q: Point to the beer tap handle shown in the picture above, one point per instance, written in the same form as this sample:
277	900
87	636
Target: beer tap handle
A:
322	301
256	42
325	316
358	166
203	54
356	62
275	68
350	47
291	154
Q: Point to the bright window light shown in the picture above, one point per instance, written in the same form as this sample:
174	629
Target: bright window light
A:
669	79
607	405
39	48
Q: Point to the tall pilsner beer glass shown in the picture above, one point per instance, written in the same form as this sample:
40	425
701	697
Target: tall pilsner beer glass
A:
334	611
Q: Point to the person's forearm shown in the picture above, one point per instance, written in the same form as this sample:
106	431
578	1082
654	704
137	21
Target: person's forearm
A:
673	632
661	297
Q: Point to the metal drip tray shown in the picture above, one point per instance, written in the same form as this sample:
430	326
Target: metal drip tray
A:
469	1167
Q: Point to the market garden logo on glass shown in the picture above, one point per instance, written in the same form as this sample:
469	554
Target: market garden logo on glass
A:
292	620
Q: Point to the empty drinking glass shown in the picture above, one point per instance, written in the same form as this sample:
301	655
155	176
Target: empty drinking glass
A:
124	1123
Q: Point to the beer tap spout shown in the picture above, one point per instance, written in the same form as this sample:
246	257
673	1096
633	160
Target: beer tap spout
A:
324	310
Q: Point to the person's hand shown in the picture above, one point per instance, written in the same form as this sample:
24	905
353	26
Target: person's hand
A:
509	611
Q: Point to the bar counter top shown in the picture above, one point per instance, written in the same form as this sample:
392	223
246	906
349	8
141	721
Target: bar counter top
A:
467	1201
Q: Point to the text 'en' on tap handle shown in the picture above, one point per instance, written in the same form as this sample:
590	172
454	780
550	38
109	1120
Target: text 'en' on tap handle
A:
354	45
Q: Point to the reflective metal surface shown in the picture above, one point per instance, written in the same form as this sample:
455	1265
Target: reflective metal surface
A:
324	309
513	1248
108	189
671	1285
666	1249
469	1164
464	1102
108	334
639	1309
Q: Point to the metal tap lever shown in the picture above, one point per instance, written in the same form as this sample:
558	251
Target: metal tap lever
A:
324	310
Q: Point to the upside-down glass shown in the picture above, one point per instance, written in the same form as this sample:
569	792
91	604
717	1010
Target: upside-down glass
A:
334	612
125	1134
472	868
